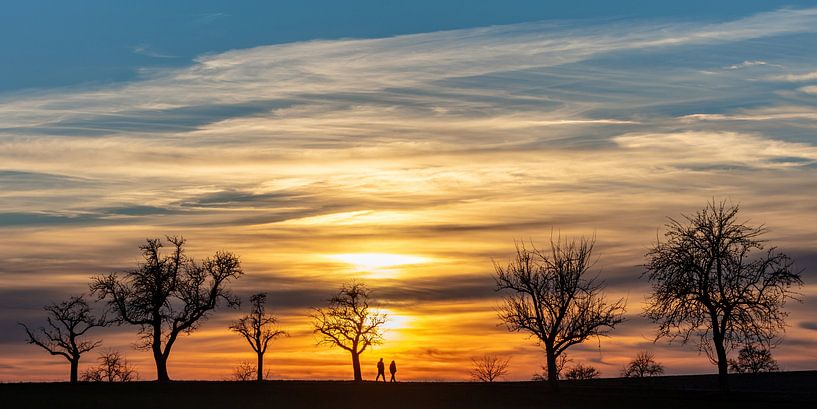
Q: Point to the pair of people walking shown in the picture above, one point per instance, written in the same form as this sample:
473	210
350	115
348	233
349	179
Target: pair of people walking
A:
381	370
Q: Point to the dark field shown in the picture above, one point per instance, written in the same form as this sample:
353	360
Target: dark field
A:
781	390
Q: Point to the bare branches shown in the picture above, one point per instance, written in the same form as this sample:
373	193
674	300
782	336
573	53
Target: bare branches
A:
113	367
258	328
712	281
67	322
489	368
168	294
643	365
753	359
550	296
349	322
581	372
244	371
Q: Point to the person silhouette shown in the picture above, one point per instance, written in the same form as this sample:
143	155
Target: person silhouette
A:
381	370
392	370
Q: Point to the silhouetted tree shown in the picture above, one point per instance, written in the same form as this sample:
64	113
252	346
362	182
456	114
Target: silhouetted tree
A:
168	295
349	323
709	283
552	298
244	371
754	359
561	362
258	328
113	367
580	372
67	322
488	368
643	365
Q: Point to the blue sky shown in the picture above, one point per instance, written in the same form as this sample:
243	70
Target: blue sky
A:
63	43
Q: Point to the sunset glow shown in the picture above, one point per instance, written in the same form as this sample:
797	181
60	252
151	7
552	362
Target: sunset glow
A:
378	263
411	161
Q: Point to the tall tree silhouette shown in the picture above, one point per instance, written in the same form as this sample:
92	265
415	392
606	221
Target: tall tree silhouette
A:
258	328
168	295
713	280
67	322
552	297
350	323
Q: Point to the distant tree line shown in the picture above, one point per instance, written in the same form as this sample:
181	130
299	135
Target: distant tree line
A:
713	281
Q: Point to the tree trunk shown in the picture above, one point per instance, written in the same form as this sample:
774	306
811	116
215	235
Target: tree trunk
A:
74	369
723	365
553	372
161	367
156	347
356	366
260	367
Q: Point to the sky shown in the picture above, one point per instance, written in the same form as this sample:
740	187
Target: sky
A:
403	145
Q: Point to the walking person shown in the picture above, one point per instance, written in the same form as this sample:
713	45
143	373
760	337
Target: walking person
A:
392	370
381	370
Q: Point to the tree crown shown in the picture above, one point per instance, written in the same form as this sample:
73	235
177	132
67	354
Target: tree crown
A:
551	296
171	292
712	278
348	321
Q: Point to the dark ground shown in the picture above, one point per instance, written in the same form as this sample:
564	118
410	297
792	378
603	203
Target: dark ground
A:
779	390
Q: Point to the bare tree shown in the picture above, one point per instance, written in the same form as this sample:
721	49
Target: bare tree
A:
113	367
713	281
488	368
581	372
643	365
258	328
168	295
561	363
552	298
754	359
349	323
67	322
244	371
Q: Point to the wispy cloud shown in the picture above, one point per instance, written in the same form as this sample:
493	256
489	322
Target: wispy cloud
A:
146	50
747	63
448	144
806	76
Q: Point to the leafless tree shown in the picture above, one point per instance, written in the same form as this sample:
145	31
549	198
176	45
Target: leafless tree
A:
580	372
488	368
551	297
561	363
245	371
713	281
258	328
643	365
350	323
754	359
67	322
113	367
168	295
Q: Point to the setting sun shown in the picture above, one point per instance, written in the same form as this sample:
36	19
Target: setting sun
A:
377	262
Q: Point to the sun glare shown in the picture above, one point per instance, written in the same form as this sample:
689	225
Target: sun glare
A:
396	325
375	262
